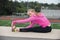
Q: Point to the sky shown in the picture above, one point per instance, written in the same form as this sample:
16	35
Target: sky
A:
43	1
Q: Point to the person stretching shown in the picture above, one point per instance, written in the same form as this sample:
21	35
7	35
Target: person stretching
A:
36	17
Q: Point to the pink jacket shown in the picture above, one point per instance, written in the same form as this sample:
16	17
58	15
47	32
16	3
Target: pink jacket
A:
40	20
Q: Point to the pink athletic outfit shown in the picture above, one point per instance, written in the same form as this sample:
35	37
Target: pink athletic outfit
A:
40	20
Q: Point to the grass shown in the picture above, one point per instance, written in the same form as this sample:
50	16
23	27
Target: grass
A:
5	22
56	26
8	23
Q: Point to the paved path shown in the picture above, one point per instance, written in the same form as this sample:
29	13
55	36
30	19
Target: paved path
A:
22	38
6	31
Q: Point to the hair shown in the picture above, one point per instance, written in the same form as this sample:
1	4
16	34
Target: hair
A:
31	10
37	9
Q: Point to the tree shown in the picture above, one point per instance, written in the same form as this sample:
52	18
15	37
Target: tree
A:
58	5
7	7
3	4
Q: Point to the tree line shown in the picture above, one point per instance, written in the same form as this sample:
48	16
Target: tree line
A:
9	7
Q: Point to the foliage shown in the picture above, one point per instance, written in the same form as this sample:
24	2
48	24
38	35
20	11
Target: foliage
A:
8	7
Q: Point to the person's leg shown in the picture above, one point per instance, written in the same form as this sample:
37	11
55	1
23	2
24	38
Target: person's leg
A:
33	29
25	29
45	30
48	29
36	29
40	29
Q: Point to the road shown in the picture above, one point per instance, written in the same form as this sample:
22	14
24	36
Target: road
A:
22	38
6	34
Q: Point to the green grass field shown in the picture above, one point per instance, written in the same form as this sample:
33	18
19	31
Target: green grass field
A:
8	23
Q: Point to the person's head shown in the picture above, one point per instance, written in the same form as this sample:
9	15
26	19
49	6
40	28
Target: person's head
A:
30	12
34	11
37	9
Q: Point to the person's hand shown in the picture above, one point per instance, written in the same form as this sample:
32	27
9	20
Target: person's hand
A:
13	28
16	30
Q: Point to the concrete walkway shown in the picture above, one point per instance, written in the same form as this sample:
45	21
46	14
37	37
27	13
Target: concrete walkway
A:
6	31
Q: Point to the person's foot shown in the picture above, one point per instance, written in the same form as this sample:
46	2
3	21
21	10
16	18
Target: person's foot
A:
13	28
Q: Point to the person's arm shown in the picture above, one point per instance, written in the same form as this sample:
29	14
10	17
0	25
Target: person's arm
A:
23	21
31	25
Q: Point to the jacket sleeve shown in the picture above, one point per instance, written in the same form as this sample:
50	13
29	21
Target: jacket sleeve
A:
24	21
31	25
